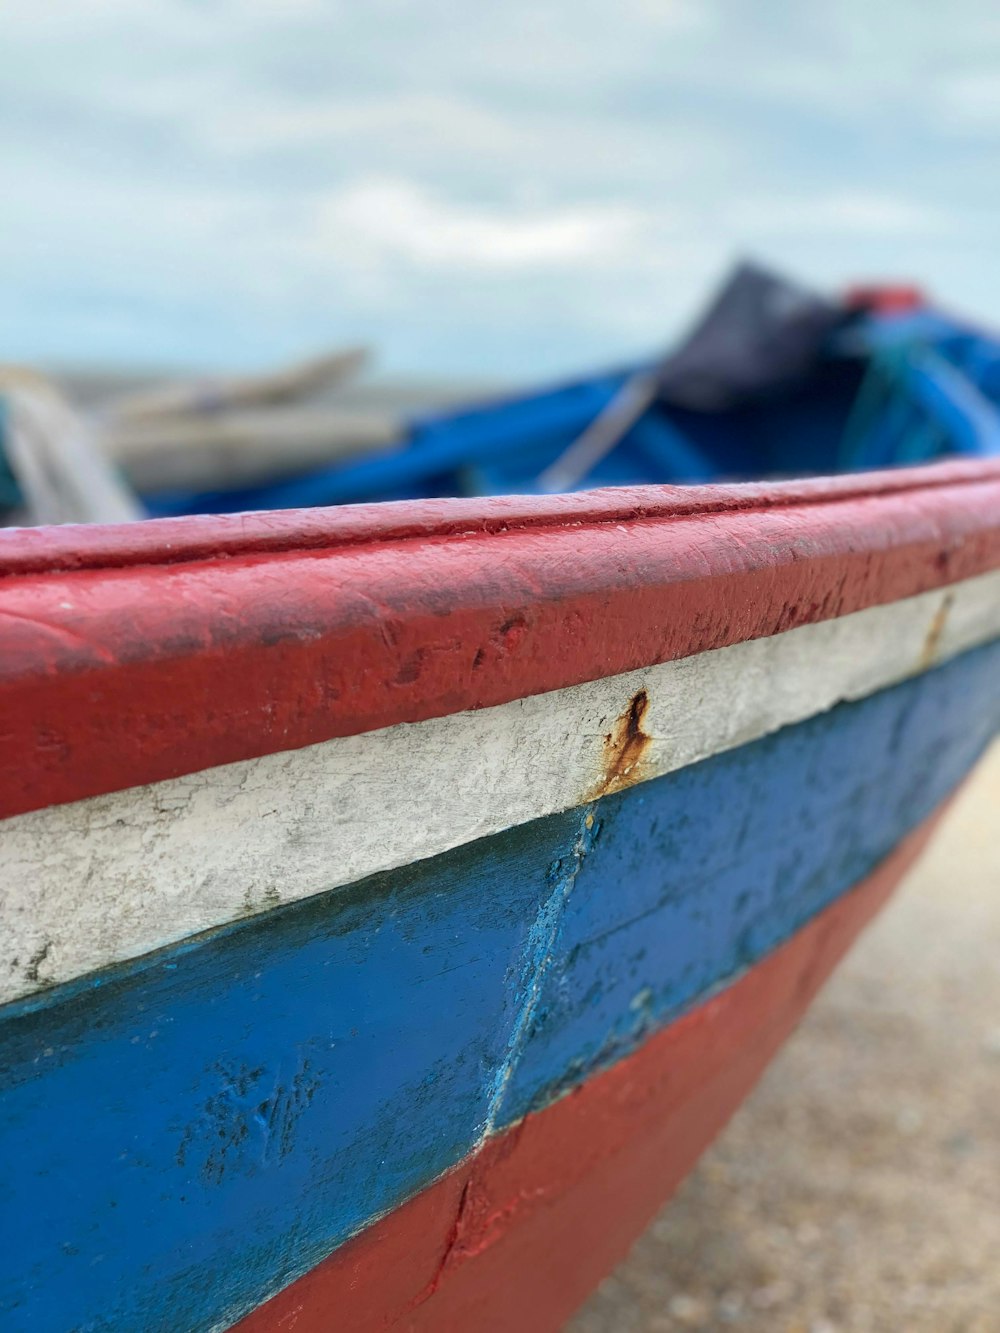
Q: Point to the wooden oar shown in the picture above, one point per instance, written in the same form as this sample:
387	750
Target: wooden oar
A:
63	475
214	394
242	448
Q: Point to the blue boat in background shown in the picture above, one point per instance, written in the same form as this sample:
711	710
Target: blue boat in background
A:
774	381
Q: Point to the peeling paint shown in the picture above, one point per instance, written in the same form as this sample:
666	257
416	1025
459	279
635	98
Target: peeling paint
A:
538	955
626	749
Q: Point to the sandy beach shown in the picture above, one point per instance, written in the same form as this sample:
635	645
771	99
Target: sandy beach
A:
858	1190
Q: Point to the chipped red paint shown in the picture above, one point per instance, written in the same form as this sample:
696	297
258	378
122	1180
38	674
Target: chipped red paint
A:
165	648
514	1239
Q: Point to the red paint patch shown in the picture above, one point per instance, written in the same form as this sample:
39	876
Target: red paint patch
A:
513	1240
171	541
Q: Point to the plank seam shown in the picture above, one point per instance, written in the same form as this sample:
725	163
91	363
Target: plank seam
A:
546	925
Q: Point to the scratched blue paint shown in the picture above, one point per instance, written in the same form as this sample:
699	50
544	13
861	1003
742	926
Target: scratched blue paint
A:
181	1136
200	1127
694	876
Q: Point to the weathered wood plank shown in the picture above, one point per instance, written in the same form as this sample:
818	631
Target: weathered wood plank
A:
520	1233
95	882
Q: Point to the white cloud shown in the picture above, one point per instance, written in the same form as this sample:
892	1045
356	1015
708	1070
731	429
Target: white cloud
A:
533	181
379	220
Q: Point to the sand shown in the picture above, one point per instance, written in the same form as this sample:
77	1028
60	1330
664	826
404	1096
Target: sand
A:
858	1190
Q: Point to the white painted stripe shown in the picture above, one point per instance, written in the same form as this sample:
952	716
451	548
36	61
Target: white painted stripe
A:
113	877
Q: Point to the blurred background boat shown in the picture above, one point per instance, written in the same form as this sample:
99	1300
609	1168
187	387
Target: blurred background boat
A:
773	381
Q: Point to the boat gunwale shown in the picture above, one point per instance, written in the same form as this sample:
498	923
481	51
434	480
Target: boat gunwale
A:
121	675
171	541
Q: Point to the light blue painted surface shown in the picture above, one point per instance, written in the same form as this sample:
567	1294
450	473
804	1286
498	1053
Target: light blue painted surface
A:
182	1136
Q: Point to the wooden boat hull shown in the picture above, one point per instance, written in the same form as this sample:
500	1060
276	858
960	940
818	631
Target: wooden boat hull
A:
401	899
519	1234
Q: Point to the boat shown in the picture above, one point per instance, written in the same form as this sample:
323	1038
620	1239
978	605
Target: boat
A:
772	381
399	897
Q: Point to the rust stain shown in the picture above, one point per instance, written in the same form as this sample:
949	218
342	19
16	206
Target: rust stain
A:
625	748
932	641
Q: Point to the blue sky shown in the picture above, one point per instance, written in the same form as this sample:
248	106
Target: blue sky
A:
506	190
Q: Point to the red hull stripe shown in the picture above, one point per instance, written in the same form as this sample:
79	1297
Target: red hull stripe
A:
516	1237
177	540
125	673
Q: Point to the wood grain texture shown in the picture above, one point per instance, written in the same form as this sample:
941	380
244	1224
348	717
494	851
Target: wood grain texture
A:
95	882
517	1236
166	650
245	1102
